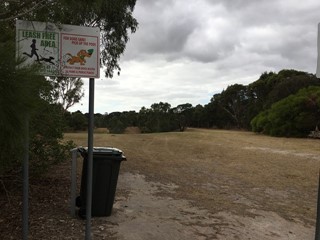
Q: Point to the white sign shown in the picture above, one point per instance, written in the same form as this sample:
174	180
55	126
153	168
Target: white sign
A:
318	63
62	50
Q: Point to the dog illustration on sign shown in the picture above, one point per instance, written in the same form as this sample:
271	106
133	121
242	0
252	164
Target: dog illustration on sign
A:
80	57
47	60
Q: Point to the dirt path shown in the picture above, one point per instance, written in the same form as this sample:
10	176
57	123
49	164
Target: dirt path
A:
141	213
227	185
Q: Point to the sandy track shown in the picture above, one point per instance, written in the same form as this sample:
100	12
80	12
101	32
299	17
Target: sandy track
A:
141	213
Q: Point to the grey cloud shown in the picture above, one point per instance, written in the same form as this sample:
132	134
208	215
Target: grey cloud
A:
164	30
168	37
184	51
174	30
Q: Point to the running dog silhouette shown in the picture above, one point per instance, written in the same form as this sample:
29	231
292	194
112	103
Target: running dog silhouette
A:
47	60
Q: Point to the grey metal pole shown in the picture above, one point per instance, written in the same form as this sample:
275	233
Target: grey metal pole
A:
90	157
25	201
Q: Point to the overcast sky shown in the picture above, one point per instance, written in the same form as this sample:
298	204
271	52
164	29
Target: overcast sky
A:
186	51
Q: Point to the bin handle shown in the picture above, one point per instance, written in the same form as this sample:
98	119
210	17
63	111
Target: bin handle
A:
82	151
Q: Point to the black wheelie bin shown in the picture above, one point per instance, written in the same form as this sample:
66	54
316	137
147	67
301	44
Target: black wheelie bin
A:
105	170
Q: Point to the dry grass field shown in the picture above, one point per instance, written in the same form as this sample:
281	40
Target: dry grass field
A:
240	174
198	184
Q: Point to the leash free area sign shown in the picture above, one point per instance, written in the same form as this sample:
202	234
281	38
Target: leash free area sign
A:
61	50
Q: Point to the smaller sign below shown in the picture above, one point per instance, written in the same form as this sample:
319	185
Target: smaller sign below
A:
62	50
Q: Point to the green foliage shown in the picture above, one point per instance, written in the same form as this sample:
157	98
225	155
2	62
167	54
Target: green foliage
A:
260	122
65	91
115	125
236	106
272	87
294	116
19	88
117	122
159	118
199	116
100	120
47	151
183	113
76	121
22	100
232	102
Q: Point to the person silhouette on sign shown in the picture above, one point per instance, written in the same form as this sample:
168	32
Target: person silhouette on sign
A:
33	50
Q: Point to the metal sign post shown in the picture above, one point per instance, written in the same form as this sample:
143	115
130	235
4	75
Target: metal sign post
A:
90	159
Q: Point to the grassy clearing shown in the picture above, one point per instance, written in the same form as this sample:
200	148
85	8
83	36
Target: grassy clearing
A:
226	170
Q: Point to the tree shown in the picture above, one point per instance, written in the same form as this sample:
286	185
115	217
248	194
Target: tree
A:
13	9
183	114
46	132
76	121
66	91
233	101
130	118
290	82
272	87
143	120
294	116
116	123
214	115
159	118
100	120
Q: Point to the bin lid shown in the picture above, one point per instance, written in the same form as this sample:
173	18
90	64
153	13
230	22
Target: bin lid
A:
111	151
